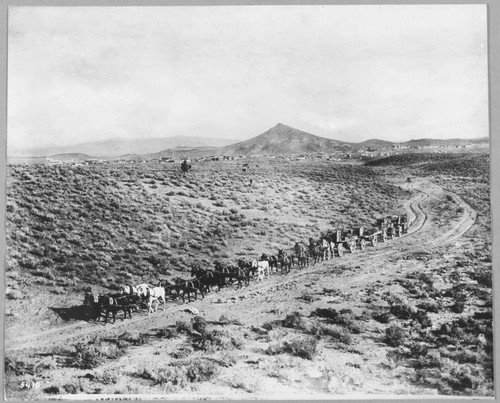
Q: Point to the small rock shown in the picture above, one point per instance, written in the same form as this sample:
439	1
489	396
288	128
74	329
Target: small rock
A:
193	310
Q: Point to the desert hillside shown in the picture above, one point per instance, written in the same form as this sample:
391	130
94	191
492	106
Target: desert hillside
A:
411	316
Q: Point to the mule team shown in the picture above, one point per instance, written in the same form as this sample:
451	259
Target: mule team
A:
204	280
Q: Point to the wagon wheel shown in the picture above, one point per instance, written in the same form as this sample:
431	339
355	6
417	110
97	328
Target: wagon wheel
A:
393	234
374	241
362	244
340	250
384	238
400	231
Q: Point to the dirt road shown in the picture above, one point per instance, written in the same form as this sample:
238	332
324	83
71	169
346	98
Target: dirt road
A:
424	233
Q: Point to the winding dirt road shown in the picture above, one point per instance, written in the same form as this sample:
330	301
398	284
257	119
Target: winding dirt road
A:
423	233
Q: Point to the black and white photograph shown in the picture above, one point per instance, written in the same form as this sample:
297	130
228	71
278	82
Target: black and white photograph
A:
248	202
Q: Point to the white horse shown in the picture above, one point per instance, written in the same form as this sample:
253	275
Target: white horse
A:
325	247
153	294
128	289
262	269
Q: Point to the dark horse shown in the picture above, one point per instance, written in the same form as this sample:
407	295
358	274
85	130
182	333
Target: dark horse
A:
185	167
223	272
242	275
189	287
115	303
207	278
285	261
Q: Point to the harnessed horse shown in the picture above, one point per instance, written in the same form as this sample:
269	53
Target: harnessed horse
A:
188	287
152	295
285	261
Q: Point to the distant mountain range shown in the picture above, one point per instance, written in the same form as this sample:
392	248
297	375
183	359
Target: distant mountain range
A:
279	140
282	140
119	147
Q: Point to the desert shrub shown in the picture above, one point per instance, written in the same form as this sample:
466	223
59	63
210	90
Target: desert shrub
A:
272	325
395	336
199	324
184	326
429	306
337	333
167	333
365	315
450	377
381	315
87	356
418	349
328	313
294	320
356	327
483	315
52	390
169	376
136	340
28	367
201	371
304	347
108	377
309	298
93	354
401	311
483	277
18	367
70	388
213	340
423	318
464	356
184	351
458	307
344	317
394	357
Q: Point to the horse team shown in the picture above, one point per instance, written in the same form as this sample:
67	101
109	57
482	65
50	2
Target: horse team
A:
205	280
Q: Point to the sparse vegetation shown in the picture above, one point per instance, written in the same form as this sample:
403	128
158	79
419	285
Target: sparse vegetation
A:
427	317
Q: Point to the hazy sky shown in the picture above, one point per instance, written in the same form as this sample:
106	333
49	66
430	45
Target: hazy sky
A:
78	74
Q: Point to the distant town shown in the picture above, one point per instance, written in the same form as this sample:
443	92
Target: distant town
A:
362	154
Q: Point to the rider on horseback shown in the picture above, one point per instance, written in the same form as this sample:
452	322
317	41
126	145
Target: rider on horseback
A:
185	166
298	249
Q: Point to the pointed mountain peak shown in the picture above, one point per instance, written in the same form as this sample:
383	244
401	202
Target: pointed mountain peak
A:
281	126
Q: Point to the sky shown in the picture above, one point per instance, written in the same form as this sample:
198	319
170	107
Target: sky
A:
352	73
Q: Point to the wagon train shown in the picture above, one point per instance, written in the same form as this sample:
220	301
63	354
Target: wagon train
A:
204	279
